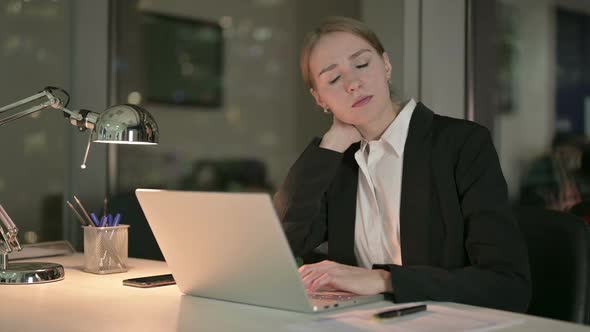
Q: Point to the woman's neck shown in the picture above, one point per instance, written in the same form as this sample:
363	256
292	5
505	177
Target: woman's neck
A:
374	130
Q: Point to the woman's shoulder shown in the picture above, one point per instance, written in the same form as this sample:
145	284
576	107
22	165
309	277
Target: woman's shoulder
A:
450	125
458	129
450	132
446	125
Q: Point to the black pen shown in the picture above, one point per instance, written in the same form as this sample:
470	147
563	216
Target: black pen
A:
106	206
88	219
400	312
77	213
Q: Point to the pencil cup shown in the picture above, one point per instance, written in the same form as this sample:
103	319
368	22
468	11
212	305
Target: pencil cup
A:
105	249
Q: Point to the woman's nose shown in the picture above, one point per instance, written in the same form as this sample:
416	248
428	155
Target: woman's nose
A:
353	85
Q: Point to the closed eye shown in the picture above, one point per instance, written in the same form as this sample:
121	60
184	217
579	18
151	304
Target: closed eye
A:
334	80
363	65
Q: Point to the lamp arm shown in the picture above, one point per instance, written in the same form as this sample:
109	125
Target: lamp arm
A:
8	230
52	101
83	120
112	126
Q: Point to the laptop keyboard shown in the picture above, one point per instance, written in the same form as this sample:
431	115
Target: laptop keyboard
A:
331	296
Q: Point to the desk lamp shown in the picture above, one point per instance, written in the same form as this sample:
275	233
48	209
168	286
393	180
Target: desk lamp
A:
119	124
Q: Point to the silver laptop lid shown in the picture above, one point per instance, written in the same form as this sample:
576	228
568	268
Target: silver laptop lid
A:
227	246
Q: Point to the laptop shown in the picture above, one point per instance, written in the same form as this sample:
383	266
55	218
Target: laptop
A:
231	247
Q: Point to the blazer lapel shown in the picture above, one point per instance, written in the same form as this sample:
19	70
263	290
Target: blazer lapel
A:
342	213
416	189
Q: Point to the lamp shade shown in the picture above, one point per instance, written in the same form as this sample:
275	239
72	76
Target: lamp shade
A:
126	124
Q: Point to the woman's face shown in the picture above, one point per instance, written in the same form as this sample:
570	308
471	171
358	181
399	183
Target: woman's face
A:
350	78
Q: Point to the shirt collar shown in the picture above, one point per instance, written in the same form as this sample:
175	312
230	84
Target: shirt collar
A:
395	135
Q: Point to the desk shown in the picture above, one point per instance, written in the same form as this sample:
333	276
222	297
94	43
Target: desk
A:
88	302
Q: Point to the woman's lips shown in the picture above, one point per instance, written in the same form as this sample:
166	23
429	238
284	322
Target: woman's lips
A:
362	101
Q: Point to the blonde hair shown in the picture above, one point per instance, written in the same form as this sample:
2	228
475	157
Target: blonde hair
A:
334	24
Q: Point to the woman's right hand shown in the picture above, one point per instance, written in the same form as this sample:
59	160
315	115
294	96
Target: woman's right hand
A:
340	136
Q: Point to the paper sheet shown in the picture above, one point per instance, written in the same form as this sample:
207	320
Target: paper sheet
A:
42	249
37	252
435	318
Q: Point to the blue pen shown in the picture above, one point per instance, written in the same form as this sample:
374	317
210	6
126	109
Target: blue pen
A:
110	219
95	219
117	220
104	221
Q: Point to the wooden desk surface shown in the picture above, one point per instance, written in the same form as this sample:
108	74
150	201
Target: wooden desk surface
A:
89	302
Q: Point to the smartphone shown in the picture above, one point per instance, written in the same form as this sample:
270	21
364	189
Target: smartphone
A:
150	281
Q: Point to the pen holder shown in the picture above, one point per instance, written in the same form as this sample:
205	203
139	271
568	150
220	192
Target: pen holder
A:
105	249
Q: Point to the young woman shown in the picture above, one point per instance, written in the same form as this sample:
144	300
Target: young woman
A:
411	203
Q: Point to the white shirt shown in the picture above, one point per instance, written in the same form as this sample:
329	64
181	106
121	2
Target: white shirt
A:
376	236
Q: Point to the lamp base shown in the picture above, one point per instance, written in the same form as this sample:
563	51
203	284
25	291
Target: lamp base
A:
31	273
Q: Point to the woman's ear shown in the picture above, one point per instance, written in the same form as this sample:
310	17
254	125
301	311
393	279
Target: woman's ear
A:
388	66
318	99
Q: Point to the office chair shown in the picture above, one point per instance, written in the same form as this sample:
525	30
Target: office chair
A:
582	210
142	243
559	254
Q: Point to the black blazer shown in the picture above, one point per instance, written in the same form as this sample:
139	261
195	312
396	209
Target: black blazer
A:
459	239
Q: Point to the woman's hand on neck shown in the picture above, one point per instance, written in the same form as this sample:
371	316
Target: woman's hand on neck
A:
340	136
